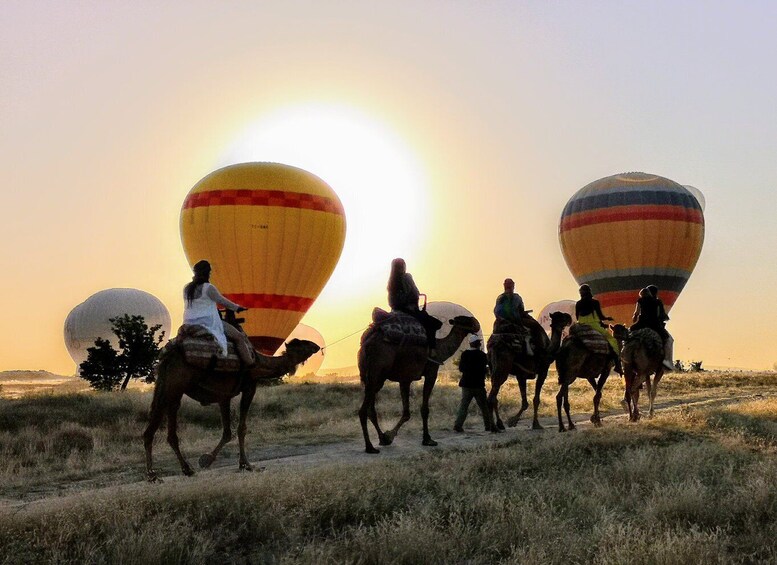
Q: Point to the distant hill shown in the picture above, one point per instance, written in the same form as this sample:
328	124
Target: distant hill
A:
32	376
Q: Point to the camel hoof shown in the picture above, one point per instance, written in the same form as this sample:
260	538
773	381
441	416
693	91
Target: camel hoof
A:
152	477
371	450
572	427
187	470
206	460
562	429
245	466
429	442
536	426
500	425
386	439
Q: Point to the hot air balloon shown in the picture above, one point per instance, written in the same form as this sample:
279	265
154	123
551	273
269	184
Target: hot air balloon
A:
622	233
273	235
90	319
315	361
566	306
444	311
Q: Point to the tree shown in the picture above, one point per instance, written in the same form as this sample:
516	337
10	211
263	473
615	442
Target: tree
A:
108	369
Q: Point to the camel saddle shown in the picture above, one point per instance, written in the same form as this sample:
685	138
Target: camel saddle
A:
396	327
592	340
508	334
200	348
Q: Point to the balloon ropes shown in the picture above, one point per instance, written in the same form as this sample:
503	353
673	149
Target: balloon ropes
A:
622	233
273	235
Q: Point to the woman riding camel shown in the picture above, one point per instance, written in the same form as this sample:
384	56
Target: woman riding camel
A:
650	313
403	296
201	300
588	312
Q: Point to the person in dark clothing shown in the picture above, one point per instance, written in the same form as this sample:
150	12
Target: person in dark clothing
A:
509	310
403	296
650	313
474	367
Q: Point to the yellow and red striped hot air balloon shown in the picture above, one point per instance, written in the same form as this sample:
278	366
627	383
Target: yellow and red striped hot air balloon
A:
622	233
273	235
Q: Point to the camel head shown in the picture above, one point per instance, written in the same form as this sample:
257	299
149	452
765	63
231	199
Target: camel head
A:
619	331
468	323
559	321
300	350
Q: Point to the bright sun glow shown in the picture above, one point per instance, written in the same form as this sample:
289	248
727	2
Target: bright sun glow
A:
380	183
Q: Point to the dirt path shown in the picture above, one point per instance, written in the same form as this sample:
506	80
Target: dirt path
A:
276	458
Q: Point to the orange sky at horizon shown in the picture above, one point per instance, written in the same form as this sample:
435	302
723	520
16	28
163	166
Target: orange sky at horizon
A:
497	113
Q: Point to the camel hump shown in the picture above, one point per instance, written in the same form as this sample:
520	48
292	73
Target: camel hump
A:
396	327
592	340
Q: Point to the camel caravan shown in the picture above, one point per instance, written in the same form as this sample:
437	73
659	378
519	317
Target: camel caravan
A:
212	361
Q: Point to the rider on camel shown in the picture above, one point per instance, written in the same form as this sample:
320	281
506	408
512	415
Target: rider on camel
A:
588	312
403	296
650	313
509	311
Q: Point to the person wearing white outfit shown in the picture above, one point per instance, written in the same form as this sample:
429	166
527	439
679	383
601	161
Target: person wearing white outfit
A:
201	300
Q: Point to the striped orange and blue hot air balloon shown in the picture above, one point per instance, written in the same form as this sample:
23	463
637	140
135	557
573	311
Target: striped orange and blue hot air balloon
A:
273	235
622	233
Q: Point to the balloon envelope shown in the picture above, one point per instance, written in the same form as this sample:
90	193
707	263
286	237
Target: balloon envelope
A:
90	319
622	233
566	306
313	364
273	235
444	311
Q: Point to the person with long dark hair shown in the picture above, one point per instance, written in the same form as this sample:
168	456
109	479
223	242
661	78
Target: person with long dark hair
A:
403	296
201	300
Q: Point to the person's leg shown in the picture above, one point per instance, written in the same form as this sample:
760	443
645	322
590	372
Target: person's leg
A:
461	415
482	400
243	346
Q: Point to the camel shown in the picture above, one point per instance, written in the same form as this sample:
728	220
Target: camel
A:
506	361
575	360
175	378
380	361
642	355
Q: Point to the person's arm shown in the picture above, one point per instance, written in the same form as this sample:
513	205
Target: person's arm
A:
215	296
598	309
577	310
637	312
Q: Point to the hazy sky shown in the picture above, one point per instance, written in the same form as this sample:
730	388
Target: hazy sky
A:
489	116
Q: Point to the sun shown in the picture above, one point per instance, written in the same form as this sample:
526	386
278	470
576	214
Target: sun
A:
380	182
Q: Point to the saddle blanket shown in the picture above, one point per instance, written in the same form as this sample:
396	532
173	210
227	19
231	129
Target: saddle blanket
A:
396	327
200	347
593	341
514	341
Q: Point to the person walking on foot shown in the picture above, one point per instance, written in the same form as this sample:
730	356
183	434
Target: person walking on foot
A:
473	366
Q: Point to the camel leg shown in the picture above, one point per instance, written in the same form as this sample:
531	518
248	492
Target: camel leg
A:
652	391
429	381
367	409
155	419
596	418
512	422
559	400
495	423
245	403
207	459
172	436
404	390
537	391
634	401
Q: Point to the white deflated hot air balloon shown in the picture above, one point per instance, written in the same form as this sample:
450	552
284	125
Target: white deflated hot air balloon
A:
566	306
91	319
444	311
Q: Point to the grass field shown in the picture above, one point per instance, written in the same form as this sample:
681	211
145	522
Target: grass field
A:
696	484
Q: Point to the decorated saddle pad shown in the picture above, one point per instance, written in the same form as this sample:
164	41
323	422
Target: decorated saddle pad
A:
593	341
648	339
396	327
514	341
199	347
